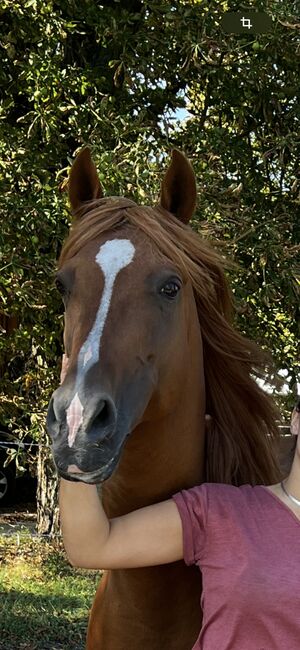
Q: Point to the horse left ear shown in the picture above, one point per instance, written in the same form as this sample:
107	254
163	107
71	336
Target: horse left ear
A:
178	189
84	184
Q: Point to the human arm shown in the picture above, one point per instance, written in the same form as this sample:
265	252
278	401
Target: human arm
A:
149	536
145	537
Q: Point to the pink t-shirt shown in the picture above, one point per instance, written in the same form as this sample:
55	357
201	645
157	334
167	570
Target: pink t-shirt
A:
246	543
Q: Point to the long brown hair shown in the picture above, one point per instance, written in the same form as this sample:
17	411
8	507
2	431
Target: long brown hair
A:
242	443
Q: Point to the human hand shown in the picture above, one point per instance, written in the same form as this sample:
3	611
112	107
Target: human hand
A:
208	423
64	367
295	420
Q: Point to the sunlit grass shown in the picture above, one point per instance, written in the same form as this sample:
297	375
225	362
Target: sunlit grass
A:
44	603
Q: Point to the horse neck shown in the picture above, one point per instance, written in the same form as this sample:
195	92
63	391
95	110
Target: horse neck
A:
160	604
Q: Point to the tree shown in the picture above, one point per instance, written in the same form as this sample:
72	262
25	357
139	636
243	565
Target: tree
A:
113	75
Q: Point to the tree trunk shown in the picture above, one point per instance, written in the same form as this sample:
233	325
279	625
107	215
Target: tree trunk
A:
47	490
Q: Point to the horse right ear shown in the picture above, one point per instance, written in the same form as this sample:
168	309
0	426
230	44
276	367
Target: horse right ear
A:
178	189
84	184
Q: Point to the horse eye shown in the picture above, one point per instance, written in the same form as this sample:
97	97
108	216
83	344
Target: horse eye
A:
170	289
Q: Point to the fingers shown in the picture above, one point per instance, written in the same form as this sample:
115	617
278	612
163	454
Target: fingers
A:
64	367
208	422
295	422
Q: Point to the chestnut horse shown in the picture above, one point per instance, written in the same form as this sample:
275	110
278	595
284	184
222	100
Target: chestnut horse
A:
151	348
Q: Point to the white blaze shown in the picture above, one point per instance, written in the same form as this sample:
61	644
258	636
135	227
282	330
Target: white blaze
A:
74	418
112	257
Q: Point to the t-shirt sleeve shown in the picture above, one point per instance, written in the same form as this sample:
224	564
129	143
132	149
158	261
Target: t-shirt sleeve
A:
192	507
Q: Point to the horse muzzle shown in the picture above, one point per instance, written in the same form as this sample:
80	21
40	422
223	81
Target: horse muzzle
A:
86	440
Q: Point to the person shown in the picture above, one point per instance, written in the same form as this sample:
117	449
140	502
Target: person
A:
245	540
295	420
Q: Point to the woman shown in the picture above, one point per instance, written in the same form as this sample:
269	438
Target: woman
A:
245	540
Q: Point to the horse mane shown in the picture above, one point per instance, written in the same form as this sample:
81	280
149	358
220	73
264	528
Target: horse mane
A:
243	439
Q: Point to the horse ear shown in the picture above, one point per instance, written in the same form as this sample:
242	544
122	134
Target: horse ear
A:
178	189
84	184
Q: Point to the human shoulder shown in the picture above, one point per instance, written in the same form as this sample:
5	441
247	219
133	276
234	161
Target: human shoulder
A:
232	500
210	496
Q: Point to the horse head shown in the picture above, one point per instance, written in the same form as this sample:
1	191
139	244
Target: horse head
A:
147	311
132	334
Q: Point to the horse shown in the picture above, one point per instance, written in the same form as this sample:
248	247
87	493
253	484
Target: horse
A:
151	349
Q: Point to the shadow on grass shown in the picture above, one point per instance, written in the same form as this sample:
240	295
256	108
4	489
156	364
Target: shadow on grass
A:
39	622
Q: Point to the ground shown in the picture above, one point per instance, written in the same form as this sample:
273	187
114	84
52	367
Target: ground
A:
44	602
18	517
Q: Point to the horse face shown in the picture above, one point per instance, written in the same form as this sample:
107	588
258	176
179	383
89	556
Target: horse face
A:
128	314
126	332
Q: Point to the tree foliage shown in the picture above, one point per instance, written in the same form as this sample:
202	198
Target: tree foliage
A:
113	75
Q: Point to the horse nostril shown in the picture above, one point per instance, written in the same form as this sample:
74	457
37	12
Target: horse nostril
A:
103	419
52	424
103	414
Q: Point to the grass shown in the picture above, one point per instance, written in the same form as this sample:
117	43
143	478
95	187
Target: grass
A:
44	602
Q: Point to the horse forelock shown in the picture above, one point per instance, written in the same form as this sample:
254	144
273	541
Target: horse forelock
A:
191	254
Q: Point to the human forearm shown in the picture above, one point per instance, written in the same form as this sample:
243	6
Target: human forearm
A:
145	537
85	526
